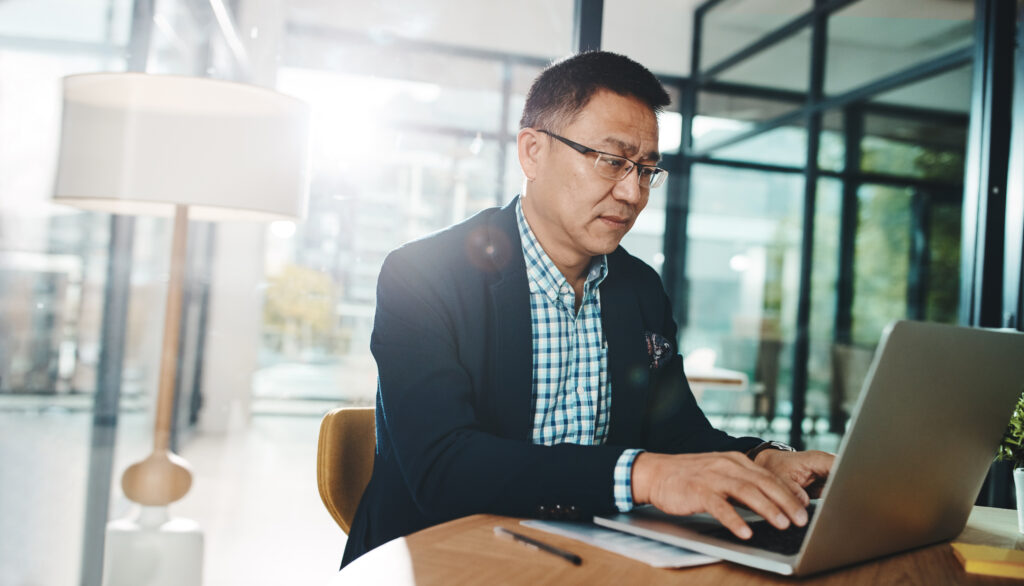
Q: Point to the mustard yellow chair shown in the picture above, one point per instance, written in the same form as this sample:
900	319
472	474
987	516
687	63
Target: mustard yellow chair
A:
344	460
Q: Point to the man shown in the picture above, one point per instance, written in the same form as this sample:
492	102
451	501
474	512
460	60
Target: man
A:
526	362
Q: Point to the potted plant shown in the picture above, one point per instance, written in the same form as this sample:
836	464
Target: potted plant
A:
1011	449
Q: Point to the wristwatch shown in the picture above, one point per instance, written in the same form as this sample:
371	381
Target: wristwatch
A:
769	446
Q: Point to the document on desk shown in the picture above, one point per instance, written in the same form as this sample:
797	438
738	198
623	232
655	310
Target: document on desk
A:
651	552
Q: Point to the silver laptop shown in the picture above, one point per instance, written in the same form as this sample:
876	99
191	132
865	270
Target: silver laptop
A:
925	428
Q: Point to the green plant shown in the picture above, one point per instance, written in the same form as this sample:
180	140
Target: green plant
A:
1011	449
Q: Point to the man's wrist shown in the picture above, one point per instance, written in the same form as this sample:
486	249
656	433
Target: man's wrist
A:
622	481
769	445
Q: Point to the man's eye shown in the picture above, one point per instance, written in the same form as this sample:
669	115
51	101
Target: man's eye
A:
613	163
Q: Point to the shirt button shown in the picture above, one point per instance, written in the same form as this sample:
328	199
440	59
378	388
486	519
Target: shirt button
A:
580	390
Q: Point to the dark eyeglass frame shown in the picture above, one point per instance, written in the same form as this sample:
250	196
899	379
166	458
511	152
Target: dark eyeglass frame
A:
657	175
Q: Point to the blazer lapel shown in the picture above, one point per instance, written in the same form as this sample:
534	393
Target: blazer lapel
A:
628	363
512	336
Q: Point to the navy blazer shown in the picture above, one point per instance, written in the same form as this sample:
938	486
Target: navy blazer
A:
452	338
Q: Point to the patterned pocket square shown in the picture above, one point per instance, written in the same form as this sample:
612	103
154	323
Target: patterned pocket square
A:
658	348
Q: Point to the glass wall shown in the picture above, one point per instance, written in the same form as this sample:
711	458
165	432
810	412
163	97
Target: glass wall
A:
415	112
52	279
885	198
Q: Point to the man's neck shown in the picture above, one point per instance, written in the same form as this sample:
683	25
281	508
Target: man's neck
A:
574	267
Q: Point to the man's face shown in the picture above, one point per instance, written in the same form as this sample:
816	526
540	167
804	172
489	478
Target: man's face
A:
575	212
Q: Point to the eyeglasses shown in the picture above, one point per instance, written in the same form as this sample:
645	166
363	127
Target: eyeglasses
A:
615	167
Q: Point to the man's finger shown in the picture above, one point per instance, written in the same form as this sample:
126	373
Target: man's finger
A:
798	491
751	496
728	517
782	492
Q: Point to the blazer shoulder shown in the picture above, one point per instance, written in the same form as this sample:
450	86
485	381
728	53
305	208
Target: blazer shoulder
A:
481	244
623	264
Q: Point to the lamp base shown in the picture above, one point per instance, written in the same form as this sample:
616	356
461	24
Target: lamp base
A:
152	549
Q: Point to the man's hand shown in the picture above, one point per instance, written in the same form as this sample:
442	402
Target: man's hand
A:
684	484
808	469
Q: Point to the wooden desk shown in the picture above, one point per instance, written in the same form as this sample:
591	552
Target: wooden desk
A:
465	551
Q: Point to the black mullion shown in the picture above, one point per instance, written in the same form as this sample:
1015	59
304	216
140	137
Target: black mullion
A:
677	200
920	255
503	130
113	333
802	341
588	16
853	122
984	229
898	181
677	209
1013	286
1015	250
860	178
695	47
987	166
924	114
749	165
746	90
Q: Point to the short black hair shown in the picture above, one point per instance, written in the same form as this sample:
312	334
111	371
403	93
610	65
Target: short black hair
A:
562	90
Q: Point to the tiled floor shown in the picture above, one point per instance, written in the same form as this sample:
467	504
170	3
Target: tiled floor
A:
254	494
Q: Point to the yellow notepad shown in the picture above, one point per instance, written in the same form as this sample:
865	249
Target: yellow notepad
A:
990	561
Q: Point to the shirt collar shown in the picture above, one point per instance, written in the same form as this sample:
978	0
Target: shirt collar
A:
541	270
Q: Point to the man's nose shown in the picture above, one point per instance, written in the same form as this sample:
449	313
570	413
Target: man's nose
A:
628	188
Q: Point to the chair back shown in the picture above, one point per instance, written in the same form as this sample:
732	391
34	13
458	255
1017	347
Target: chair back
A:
344	460
850	366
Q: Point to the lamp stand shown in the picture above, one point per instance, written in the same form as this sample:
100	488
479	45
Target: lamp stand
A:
150	548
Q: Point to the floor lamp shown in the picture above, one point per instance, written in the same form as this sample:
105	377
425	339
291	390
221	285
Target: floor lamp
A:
191	148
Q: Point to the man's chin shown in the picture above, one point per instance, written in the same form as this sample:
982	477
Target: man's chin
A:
604	247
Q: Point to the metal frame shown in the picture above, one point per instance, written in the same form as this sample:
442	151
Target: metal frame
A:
1013	295
853	126
112	335
587	16
918	274
987	274
984	228
802	342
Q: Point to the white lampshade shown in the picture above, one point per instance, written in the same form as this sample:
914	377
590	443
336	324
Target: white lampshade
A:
135	143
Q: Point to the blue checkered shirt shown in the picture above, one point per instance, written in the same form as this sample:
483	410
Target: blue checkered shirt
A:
571	391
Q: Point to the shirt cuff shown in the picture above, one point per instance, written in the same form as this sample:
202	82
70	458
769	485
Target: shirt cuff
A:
623	480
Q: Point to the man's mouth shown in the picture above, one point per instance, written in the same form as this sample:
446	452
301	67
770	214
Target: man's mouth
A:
616	221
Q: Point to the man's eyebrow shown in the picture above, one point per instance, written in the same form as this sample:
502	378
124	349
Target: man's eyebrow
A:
631	150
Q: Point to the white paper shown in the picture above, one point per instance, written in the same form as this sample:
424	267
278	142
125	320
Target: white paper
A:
648	551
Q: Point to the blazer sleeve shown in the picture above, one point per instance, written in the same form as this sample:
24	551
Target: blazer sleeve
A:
676	424
452	464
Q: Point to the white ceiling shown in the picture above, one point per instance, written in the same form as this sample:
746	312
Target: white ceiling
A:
871	37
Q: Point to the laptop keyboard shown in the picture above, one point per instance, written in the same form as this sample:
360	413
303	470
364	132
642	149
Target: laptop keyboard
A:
767	537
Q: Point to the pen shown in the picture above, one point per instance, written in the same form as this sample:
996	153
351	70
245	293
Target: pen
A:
531	542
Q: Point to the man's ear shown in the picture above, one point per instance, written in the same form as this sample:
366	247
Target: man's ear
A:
531	148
